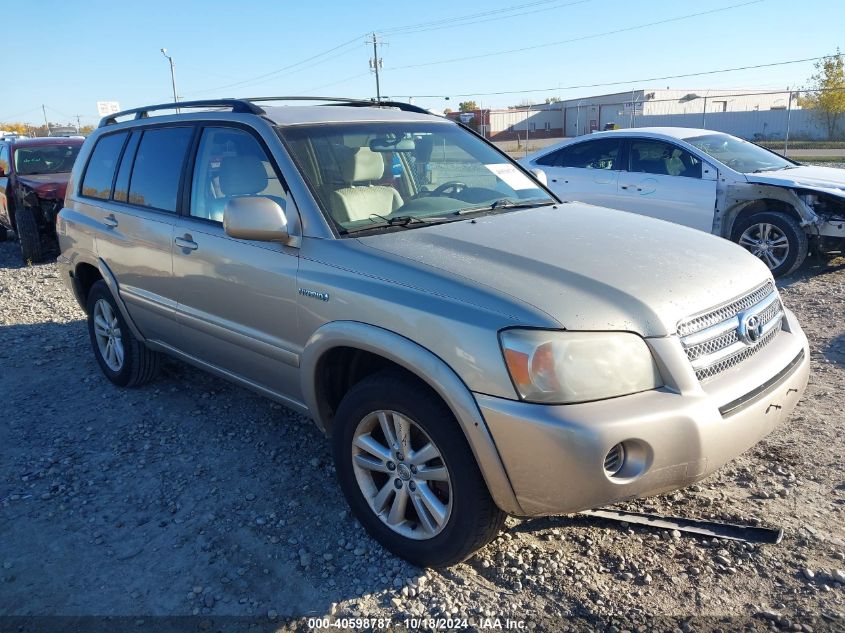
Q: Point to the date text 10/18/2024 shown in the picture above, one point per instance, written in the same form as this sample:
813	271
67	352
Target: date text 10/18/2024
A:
414	624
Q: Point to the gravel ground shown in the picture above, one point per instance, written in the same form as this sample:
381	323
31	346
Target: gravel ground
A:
193	497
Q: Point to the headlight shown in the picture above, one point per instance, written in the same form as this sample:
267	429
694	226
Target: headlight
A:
567	367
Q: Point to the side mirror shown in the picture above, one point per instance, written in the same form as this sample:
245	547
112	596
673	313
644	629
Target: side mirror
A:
708	172
255	218
540	175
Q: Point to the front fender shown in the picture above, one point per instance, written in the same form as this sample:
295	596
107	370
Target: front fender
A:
427	367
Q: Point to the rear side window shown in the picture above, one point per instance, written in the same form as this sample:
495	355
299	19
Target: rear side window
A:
158	167
598	154
100	171
4	158
121	185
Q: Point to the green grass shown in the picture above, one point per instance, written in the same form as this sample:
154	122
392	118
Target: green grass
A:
804	144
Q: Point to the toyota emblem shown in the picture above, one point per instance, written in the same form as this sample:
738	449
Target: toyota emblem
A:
750	329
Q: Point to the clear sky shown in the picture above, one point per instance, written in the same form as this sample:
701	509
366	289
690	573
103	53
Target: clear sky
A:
69	55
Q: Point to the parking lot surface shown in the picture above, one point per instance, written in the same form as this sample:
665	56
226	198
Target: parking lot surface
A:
194	497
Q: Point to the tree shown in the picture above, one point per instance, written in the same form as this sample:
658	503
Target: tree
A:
827	93
552	99
447	111
467	106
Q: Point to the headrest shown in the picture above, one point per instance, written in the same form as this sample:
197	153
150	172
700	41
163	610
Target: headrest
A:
362	164
242	176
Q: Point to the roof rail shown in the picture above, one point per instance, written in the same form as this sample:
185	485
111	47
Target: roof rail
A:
360	103
237	105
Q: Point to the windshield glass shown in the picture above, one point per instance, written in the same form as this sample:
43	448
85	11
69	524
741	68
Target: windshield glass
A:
375	175
45	159
737	154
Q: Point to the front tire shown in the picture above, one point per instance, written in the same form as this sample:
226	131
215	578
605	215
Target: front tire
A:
775	238
28	236
409	475
123	359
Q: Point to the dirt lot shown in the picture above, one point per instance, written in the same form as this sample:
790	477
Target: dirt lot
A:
193	497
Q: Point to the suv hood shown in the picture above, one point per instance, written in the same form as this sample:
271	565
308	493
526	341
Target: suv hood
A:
46	185
587	267
828	179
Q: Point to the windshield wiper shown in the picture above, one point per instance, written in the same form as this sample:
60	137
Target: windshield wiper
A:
404	221
762	169
505	203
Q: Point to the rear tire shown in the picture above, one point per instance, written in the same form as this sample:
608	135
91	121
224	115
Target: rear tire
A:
463	518
775	238
28	236
125	360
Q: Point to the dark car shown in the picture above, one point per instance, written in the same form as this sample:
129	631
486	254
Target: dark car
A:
33	178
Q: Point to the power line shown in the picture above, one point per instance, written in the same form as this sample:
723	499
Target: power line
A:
468	20
619	83
284	68
582	38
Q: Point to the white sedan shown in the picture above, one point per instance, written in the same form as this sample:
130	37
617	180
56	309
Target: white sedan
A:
707	180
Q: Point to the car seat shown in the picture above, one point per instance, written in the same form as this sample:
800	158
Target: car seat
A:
360	198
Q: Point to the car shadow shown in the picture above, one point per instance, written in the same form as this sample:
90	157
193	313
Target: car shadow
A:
813	267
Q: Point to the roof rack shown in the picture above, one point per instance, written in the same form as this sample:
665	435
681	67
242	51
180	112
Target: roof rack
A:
359	103
237	105
247	106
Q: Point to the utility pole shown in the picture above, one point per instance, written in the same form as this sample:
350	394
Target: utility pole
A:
78	123
172	77
46	124
375	64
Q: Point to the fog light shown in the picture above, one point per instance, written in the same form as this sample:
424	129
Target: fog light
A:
614	460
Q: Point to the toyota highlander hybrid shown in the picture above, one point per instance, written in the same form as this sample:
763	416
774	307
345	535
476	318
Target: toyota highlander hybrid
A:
473	346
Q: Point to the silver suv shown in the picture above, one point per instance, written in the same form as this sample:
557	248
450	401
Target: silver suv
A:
473	346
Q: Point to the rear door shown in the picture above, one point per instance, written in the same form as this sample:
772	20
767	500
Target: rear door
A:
135	208
237	298
664	181
587	171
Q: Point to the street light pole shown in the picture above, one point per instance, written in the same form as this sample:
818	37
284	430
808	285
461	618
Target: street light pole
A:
172	77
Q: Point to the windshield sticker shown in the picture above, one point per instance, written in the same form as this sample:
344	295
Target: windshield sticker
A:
511	176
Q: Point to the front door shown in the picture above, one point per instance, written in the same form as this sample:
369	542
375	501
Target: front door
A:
237	298
664	181
587	171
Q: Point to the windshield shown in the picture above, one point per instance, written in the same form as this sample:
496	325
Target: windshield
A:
45	159
380	175
739	155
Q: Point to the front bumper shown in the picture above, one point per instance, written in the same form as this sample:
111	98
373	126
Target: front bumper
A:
554	454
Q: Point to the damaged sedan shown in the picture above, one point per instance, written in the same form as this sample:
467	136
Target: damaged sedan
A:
33	179
776	208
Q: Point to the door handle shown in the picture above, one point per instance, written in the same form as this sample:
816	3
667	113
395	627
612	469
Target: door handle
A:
110	221
186	242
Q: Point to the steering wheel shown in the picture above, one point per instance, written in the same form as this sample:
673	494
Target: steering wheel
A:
449	188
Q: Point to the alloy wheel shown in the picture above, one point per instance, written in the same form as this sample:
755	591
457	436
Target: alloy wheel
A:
766	241
108	335
402	475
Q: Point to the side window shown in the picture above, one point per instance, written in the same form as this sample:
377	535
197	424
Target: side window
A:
158	167
230	164
597	154
100	170
121	185
660	158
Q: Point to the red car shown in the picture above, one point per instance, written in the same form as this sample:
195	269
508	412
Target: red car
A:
33	178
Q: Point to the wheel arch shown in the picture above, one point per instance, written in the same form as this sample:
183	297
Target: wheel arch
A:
364	349
86	274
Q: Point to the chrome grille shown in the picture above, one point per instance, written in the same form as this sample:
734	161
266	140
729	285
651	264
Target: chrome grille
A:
713	341
717	315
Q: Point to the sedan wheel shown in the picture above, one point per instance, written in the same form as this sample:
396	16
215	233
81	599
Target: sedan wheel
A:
402	475
767	242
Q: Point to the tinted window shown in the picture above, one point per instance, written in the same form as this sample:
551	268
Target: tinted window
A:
598	154
230	164
4	158
100	171
158	167
121	185
665	159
